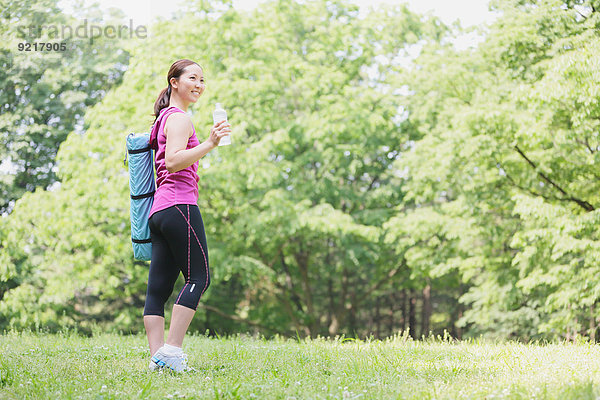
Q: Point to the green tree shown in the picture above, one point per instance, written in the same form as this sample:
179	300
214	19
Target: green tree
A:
44	94
364	191
508	134
294	209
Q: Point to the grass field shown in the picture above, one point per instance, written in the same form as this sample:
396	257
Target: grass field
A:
107	366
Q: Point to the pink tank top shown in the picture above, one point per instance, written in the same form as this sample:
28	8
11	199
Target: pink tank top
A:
172	188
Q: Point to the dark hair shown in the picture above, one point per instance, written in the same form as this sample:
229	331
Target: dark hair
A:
165	95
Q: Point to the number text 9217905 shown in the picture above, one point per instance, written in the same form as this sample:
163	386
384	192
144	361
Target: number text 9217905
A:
41	46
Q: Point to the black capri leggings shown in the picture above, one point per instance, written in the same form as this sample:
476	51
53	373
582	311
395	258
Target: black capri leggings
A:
178	244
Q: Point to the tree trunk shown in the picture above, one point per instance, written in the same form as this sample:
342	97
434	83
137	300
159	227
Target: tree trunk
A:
404	311
331	309
458	328
457	314
412	314
592	331
302	260
393	298
339	311
351	312
426	310
289	282
330	294
377	319
568	336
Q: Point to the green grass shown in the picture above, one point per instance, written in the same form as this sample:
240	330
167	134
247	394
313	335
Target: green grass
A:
109	366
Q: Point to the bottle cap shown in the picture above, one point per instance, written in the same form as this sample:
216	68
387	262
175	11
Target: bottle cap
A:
218	106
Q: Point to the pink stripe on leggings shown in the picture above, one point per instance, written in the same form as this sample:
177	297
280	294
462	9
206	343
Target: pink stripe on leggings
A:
203	254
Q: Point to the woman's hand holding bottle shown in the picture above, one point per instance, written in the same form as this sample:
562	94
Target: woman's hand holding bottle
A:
218	131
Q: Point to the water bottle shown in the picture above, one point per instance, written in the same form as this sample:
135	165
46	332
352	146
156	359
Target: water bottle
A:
220	115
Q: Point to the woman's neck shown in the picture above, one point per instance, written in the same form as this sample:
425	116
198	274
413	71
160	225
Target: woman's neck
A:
178	103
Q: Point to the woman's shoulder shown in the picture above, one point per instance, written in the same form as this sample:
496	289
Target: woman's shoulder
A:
178	121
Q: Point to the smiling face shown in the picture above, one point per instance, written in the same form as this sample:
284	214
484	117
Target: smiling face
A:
190	84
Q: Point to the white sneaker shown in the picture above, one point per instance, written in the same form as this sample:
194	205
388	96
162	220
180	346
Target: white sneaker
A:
175	363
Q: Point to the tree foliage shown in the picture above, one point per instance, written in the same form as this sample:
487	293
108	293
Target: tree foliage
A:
367	190
293	209
509	140
44	93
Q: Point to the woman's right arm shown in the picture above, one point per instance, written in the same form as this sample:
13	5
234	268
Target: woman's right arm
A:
178	130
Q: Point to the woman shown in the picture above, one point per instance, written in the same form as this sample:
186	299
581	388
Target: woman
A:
176	227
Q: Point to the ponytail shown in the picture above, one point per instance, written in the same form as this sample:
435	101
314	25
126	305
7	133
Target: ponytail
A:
162	101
